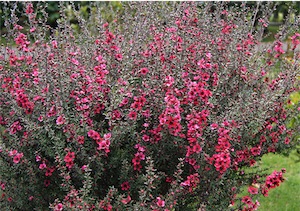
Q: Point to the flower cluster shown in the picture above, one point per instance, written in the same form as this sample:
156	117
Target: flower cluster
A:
103	143
16	155
138	157
249	204
69	159
272	181
191	182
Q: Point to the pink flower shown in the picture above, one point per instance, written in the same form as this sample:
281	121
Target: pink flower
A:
269	127
18	157
214	126
104	145
255	151
125	186
60	120
105	25
107	136
2	185
146	138
58	207
160	202
16	126
54	44
29	8
49	171
247	200
132	115
116	114
83	168
42	166
52	112
119	57
94	135
286	140
252	190
40	118
38	158
136	163
70	164
144	71
75	61
12	152
69	157
126	200
80	139
169	80
46	183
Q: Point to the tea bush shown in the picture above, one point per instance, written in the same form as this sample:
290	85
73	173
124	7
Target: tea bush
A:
161	109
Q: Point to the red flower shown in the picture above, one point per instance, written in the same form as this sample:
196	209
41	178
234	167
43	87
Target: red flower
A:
125	186
80	139
255	151
70	164
136	164
144	71
132	115
286	140
49	171
46	183
94	135
69	157
104	145
169	179
118	57
252	190
247	200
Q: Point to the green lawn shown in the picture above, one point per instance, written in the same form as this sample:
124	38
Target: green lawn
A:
286	197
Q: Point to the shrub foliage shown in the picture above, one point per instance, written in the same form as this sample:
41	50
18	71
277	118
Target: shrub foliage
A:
163	108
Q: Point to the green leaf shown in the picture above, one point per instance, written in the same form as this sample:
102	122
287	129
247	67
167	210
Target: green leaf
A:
295	97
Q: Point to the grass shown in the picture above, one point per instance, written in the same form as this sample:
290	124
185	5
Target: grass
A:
286	197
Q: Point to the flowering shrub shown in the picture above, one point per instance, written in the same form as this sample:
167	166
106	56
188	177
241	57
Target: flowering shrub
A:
161	109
